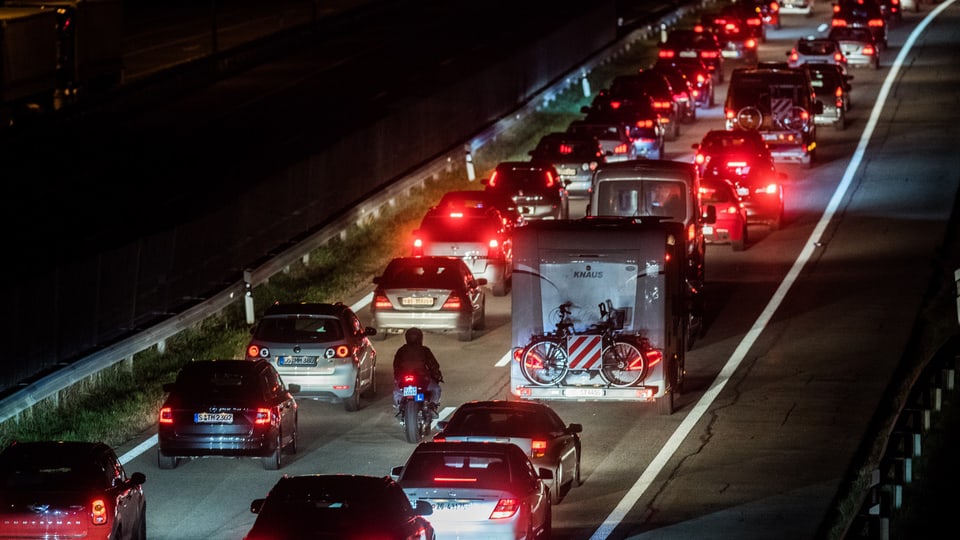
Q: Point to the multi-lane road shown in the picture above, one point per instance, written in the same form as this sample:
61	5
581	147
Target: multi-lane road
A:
805	331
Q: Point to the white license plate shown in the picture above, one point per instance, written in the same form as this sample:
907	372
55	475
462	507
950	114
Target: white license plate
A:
707	229
583	392
417	301
769	136
213	418
688	54
296	360
567	172
409	391
743	192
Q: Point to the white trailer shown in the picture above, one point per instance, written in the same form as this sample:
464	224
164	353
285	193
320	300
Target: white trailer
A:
632	266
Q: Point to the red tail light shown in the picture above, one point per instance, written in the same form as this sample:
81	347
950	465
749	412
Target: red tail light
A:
409	379
493	244
342	351
691	233
660	104
750	43
771	189
264	415
453	479
654	357
794	56
566	149
701	79
452	304
838	22
98	511
868	50
875	23
615	105
456	215
166	415
551	181
418	243
732	209
838	57
505	508
538	448
645	124
754	21
493	179
709	54
381	302
253	351
698	28
666	53
774	6
620	149
699	159
730	114
839	92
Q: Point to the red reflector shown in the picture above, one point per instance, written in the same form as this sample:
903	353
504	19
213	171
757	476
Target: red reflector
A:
654	356
253	350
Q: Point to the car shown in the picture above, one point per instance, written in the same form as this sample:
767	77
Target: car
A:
69	489
684	93
536	188
321	347
338	506
742	157
478	489
769	11
634	86
535	427
430	293
482	237
737	38
637	116
697	73
730	226
892	9
832	88
780	103
227	408
479	198
614	137
694	43
818	50
859	45
574	155
861	14
797	7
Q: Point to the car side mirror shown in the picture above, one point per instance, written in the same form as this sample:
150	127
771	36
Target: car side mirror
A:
256	505
396	472
545	474
423	508
710	214
137	479
293	388
575	428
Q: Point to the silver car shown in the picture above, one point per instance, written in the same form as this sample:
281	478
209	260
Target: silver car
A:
478	490
858	44
574	155
321	347
430	293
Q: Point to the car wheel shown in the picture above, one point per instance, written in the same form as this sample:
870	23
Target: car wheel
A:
840	124
557	493
381	335
577	477
166	462
352	402
665	404
466	334
737	245
371	390
546	531
142	527
482	321
274	461
713	99
292	445
500	289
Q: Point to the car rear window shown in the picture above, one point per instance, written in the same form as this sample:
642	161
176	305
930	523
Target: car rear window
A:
456	470
561	149
635	198
299	329
505	423
409	274
817	48
445	228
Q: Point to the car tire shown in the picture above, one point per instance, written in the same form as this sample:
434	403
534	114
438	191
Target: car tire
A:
556	490
166	462
371	390
500	289
737	245
142	527
665	404
274	461
292	446
546	532
465	334
577	476
351	403
482	321
840	124
381	335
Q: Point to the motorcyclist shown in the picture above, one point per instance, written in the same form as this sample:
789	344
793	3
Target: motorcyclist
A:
414	357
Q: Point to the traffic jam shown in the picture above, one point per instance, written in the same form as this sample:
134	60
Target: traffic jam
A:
598	240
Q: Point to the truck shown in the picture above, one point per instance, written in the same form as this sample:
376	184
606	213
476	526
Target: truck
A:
599	291
28	60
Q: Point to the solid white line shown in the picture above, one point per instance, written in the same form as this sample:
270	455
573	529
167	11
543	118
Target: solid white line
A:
139	449
703	404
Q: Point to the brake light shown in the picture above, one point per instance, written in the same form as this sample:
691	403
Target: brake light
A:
381	302
839	92
709	54
615	105
456	215
875	23
620	149
838	22
493	243
836	8
409	379
342	351
166	415
730	114
538	448
868	50
453	479
699	159
566	149
838	57
452	304
794	56
661	104
505	508
691	233
771	189
754	21
735	164
698	28
774	6
701	79
666	53
263	417
750	43
550	179
730	27
418	242
732	209
98	511
645	124
493	180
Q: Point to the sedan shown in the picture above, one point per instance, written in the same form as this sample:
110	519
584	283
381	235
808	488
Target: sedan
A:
816	50
431	293
323	348
859	45
338	507
483	490
861	14
534	427
699	75
229	408
639	119
731	223
694	43
69	489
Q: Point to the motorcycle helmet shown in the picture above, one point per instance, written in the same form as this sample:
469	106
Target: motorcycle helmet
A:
414	336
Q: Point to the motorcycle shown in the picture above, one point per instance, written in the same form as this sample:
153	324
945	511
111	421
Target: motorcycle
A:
415	416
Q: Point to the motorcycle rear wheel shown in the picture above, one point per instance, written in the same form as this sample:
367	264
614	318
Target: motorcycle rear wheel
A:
414	424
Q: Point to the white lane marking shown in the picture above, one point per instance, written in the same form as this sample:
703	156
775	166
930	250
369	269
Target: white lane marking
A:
666	452
504	360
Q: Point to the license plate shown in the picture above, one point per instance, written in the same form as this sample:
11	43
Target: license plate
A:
296	360
769	136
417	301
451	505
743	192
583	392
688	54
213	418
409	391
567	172
707	229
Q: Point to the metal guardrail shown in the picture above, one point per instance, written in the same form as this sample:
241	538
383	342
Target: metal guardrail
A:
49	388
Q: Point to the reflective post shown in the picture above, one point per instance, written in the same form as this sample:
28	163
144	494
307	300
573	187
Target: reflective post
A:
248	295
471	172
586	83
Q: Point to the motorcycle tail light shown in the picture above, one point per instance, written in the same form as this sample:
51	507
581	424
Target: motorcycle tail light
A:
505	508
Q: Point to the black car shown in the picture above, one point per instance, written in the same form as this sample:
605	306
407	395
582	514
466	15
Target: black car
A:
228	408
738	39
69	489
478	198
697	73
575	155
861	14
338	507
638	118
536	188
684	90
652	83
694	43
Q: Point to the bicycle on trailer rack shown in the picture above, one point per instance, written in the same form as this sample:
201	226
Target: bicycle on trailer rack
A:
548	358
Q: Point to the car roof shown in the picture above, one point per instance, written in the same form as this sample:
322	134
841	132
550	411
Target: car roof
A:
47	449
505	404
340	483
306	308
470	447
634	166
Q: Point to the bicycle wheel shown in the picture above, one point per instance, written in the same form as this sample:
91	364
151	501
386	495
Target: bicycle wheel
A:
622	364
544	362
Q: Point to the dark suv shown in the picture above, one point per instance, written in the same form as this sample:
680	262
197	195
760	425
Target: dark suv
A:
575	155
780	103
658	87
536	188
